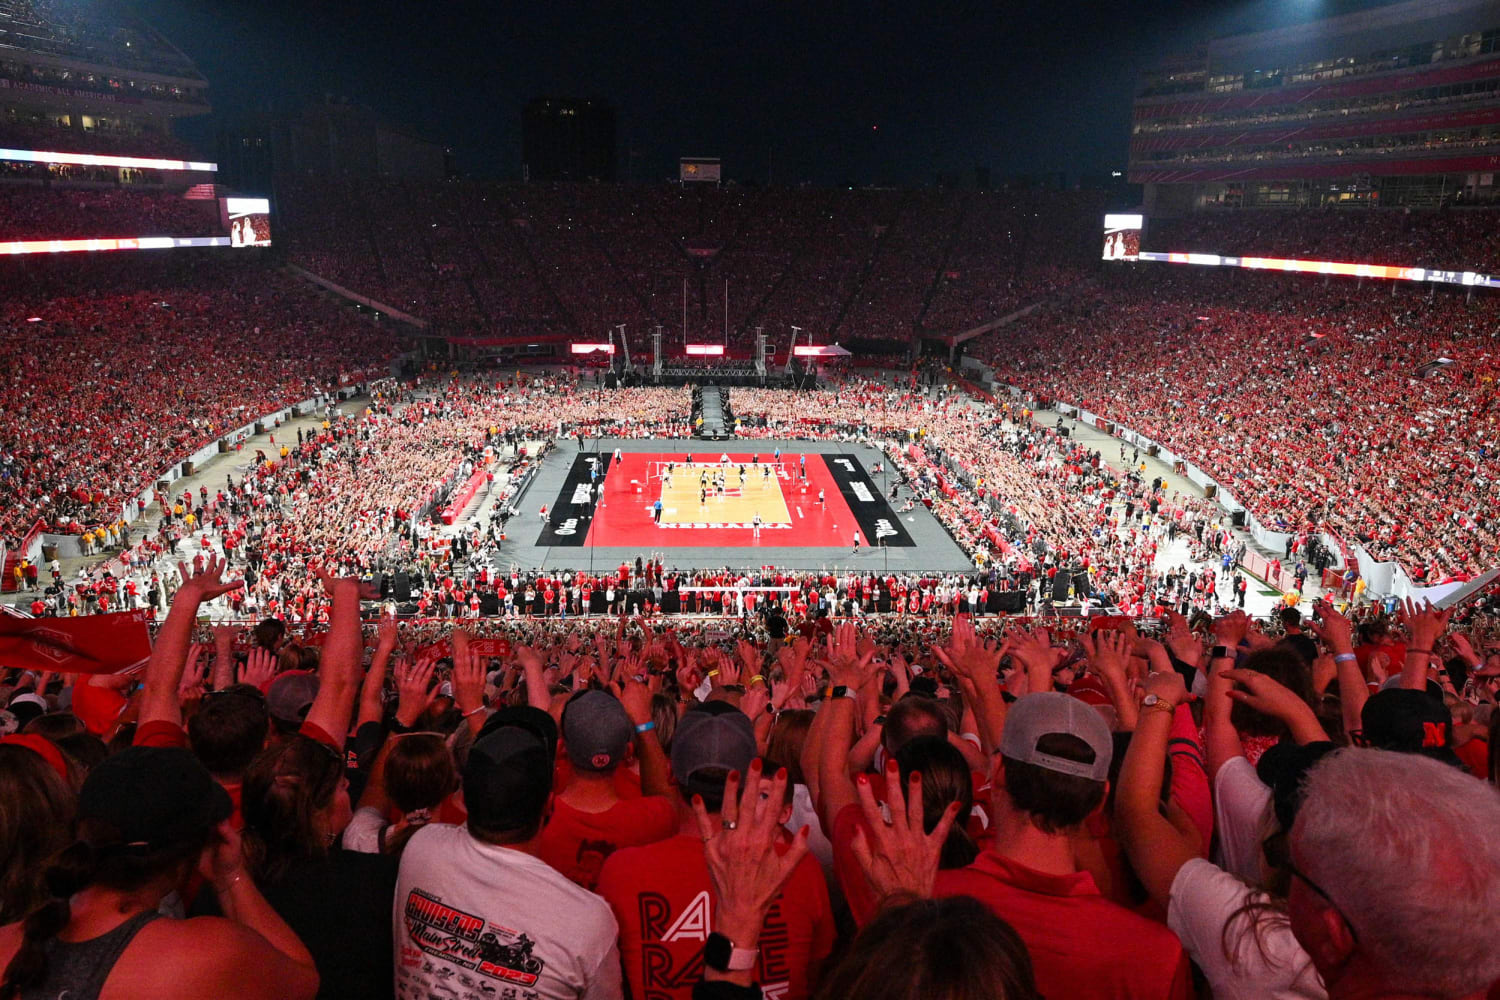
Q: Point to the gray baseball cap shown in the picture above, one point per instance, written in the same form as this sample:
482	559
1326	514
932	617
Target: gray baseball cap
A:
1049	712
596	730
291	695
714	736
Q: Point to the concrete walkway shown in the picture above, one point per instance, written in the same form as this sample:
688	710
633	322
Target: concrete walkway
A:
210	475
1262	598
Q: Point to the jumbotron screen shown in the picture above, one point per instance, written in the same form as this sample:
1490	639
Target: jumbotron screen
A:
202	222
1122	237
249	221
152	206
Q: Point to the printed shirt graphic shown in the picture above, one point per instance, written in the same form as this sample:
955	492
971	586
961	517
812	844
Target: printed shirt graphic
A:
473	921
663	901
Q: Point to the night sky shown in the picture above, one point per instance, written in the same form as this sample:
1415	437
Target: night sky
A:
882	93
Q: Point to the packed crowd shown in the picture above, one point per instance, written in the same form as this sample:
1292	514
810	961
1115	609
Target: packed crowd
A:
106	388
1038	514
870	266
27	213
1371	412
887	809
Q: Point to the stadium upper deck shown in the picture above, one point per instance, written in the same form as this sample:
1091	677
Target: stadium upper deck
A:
1396	105
91	78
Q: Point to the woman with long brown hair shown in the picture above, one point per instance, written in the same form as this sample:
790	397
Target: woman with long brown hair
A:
36	813
150	819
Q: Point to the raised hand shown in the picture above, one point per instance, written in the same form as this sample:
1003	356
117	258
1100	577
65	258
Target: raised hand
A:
899	857
414	688
1169	686
966	655
528	658
207	585
1108	653
387	634
1463	648
1232	628
635	696
1035	648
749	658
190	687
259	668
846	664
746	869
1425	623
1334	629
1266	694
729	670
754	701
468	675
331	583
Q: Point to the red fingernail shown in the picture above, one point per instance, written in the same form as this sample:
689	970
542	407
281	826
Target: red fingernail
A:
863	779
781	774
734	776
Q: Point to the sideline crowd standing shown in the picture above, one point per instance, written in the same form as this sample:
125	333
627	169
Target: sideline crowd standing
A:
886	808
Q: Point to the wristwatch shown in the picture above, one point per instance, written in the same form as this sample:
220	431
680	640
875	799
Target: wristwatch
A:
1221	653
1158	703
720	954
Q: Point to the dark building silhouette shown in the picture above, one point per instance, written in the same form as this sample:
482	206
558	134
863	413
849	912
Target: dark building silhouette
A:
567	140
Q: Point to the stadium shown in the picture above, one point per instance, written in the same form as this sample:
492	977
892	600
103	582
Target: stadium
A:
475	528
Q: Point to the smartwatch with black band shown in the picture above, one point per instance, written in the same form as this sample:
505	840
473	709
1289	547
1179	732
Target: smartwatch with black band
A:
1222	653
720	954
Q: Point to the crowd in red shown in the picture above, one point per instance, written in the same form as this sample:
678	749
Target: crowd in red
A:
28	213
105	388
1024	502
1368	409
515	261
883	809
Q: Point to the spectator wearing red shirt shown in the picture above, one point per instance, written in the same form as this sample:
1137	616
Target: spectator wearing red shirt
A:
1053	774
665	901
590	820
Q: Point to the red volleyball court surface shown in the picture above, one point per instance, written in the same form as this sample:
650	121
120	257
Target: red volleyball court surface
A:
624	516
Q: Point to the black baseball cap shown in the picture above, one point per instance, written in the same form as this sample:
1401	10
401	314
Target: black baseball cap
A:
533	720
154	797
508	773
1409	721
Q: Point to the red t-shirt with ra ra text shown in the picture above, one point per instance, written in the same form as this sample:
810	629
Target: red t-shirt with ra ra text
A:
576	842
663	901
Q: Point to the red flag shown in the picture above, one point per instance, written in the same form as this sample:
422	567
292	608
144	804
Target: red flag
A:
1112	623
477	647
90	644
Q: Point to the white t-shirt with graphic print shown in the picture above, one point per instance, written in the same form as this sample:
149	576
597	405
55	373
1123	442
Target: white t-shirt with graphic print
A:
475	920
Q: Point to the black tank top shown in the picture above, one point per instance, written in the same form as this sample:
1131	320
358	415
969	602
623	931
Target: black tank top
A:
77	970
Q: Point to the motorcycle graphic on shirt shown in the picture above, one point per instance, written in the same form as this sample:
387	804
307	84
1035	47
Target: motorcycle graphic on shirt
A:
469	942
